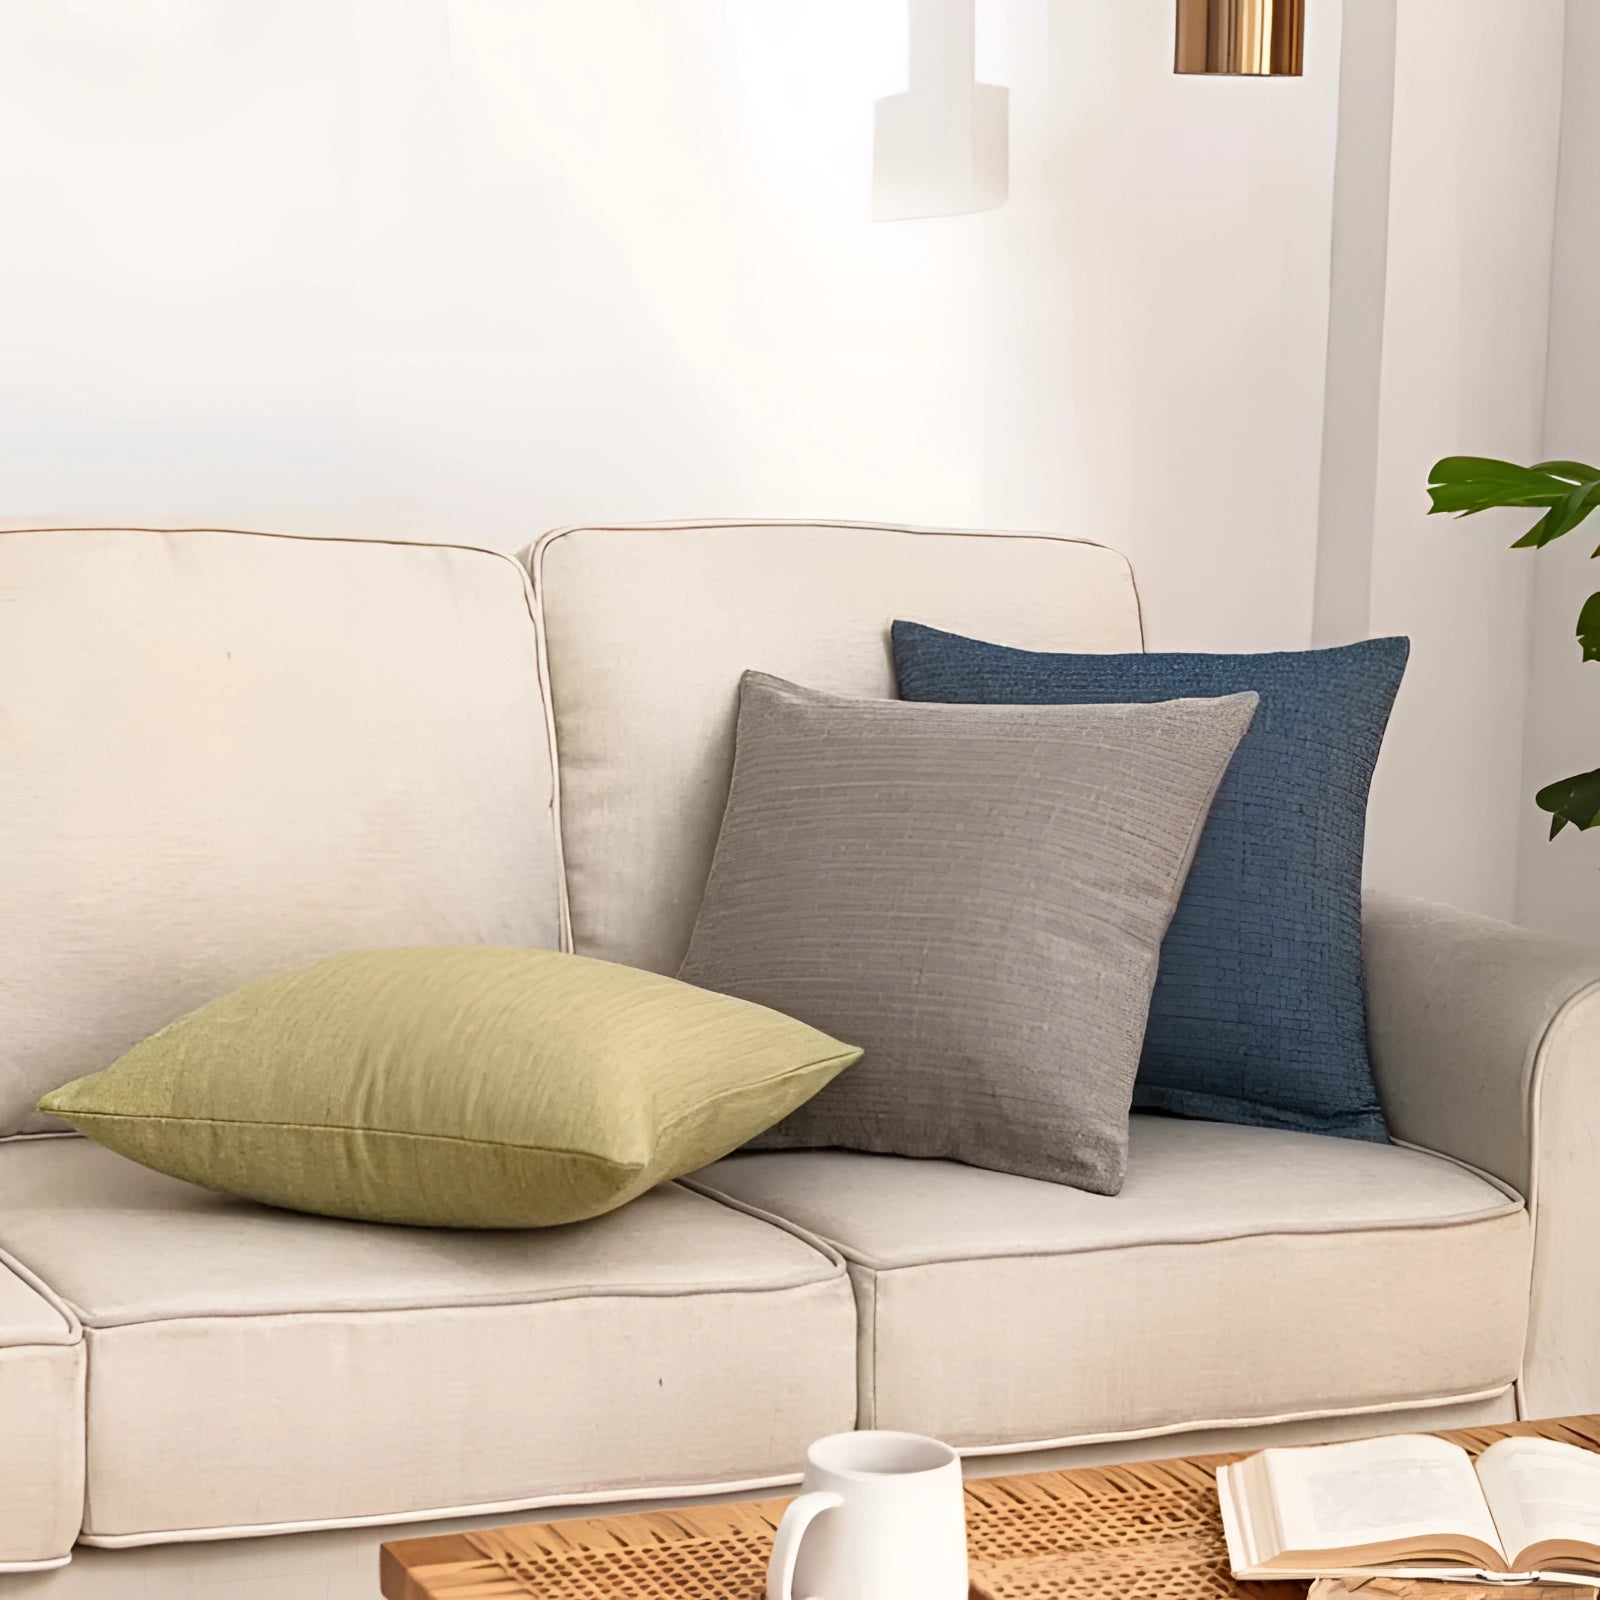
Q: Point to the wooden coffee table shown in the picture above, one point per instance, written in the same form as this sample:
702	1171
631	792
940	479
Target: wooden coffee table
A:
1145	1531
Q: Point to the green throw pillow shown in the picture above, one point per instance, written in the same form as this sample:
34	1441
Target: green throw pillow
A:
467	1087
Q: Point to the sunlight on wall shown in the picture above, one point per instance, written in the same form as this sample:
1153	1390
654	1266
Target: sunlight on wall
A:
1559	885
482	266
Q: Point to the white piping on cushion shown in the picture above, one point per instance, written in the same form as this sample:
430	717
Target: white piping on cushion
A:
123	1541
1466	1166
74	1326
589	1497
824	1247
1383	1408
267	533
518	1302
1469	1219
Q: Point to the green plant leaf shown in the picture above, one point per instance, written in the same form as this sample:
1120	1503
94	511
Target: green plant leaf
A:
1561	519
1470	469
1577	471
1468	498
1489	472
1469	484
1568	492
1572	800
1589	628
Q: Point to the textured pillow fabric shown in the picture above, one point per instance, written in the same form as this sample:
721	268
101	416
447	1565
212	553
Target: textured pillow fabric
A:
1259	1013
468	1086
976	896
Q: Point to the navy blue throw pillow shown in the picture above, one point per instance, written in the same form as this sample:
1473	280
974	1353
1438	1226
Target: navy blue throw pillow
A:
1259	1010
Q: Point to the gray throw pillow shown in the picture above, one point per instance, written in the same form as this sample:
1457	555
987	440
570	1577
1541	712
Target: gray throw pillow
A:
976	895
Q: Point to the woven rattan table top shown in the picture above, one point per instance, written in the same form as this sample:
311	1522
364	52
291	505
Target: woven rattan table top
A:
1145	1531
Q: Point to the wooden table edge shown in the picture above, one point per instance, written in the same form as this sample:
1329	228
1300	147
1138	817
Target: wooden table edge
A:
403	1562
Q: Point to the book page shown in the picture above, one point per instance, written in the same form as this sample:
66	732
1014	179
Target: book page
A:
1432	1589
1409	1488
1542	1492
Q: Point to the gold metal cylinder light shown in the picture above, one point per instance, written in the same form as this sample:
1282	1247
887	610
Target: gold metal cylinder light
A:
1253	38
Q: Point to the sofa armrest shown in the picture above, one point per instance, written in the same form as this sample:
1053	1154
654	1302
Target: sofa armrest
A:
1485	1040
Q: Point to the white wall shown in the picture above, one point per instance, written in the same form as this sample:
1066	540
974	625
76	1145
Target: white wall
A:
1560	881
478	266
1157	294
1471	203
481	266
1359	273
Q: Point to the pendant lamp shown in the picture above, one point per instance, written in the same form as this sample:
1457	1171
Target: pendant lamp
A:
1248	38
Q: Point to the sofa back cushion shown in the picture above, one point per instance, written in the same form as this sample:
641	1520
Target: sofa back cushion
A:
647	630
225	754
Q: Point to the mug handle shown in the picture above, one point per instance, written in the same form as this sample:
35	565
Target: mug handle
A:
786	1546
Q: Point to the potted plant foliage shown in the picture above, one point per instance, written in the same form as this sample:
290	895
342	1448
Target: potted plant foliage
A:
1565	492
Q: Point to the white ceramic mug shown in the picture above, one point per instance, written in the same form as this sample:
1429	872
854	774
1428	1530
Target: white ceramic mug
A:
880	1516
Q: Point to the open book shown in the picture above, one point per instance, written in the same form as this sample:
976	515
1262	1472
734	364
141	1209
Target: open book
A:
1415	1506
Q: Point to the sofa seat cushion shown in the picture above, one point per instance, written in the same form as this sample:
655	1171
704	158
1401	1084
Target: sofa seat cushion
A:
41	1424
254	1370
1243	1275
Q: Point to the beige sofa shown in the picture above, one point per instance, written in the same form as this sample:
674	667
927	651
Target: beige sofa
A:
223	753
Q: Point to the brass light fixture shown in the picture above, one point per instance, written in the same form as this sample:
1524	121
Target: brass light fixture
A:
1253	38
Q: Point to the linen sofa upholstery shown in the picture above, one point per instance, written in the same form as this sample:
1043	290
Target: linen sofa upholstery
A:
1486	1044
647	630
322	744
229	753
253	1370
1222	1286
41	1423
